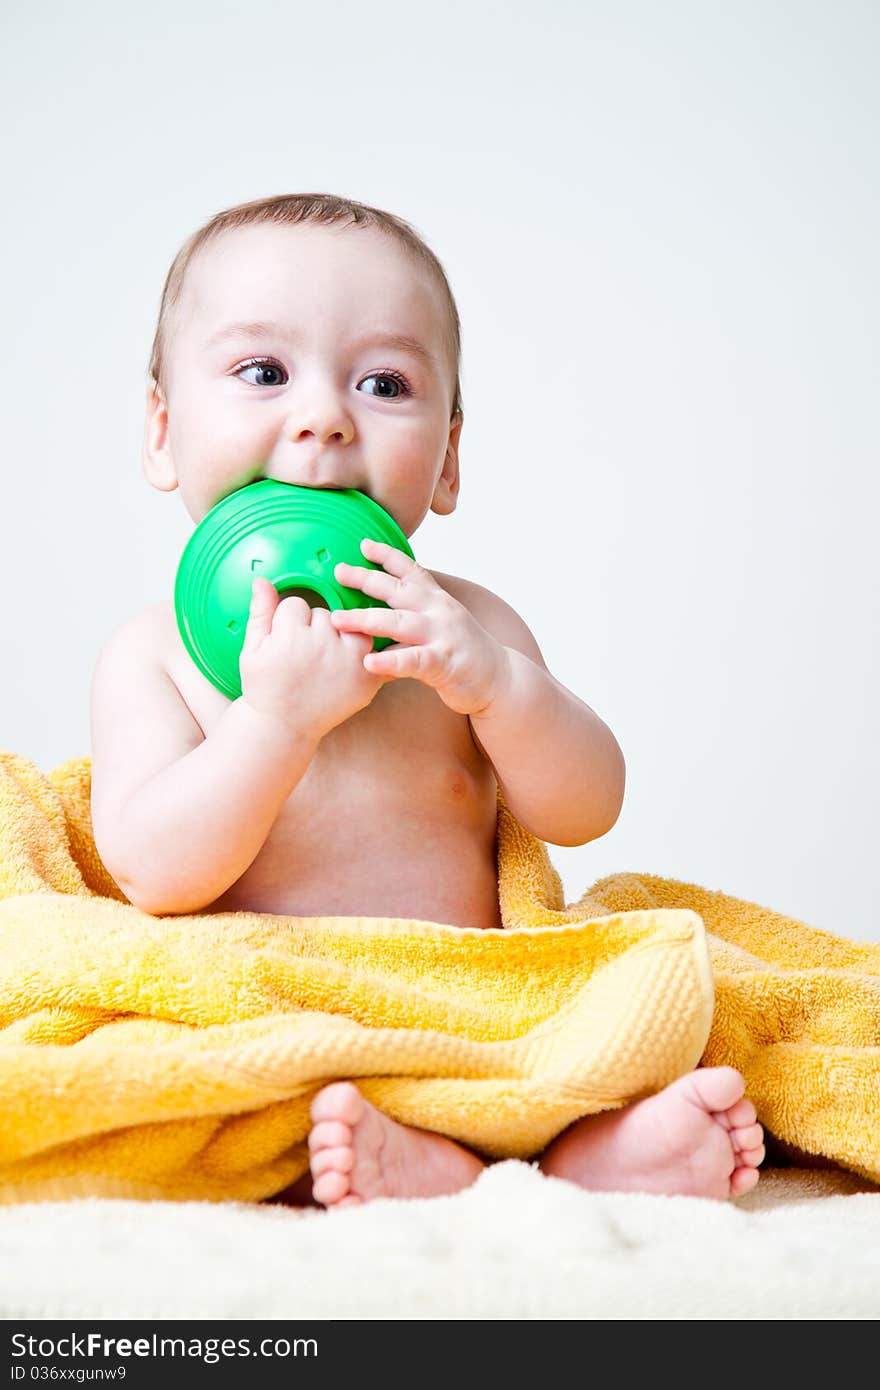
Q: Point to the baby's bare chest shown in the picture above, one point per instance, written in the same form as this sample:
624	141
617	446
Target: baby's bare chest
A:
394	816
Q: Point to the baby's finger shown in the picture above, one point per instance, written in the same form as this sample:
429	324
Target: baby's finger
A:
264	601
292	612
373	583
400	624
359	642
320	617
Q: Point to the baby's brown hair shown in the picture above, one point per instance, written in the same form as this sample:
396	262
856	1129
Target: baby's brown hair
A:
323	209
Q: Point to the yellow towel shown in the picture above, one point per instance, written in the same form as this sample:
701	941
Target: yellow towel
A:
176	1057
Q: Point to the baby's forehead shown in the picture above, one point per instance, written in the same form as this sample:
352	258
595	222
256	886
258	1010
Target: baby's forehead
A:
299	275
266	257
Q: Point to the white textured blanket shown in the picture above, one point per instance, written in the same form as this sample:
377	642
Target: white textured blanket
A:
805	1244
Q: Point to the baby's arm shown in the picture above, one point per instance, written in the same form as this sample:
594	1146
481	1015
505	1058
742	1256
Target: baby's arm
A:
559	765
178	817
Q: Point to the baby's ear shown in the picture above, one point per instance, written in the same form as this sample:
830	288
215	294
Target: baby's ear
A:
446	491
158	463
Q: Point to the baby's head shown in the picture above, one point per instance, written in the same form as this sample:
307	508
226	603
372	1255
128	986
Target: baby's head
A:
275	357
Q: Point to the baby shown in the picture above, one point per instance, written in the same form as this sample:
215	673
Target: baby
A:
314	340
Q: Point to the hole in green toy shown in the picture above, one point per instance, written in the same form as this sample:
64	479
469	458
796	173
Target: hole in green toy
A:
311	596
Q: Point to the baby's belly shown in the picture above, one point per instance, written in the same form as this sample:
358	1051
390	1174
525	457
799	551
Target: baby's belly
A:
386	852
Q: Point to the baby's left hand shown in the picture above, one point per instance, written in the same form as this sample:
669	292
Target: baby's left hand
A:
439	641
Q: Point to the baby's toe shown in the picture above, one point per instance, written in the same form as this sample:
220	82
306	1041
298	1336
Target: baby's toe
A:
752	1158
743	1180
747	1137
339	1101
740	1115
329	1134
331	1188
717	1089
339	1160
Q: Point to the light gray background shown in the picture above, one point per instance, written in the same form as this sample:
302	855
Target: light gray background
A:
661	225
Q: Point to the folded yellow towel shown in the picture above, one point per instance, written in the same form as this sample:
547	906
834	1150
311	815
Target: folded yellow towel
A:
175	1057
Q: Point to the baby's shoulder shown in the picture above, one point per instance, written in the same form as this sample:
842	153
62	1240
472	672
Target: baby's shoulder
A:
498	618
480	603
458	588
153	624
140	639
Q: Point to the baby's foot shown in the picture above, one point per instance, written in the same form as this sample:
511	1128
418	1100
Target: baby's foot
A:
357	1153
696	1138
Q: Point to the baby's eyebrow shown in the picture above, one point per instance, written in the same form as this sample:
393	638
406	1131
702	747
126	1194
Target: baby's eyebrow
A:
262	329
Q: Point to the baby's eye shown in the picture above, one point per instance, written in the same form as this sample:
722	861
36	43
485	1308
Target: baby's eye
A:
263	366
271	374
389	376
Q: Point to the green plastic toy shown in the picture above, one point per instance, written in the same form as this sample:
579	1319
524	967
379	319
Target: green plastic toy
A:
291	535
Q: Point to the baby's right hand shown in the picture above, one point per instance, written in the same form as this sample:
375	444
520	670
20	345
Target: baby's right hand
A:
296	668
